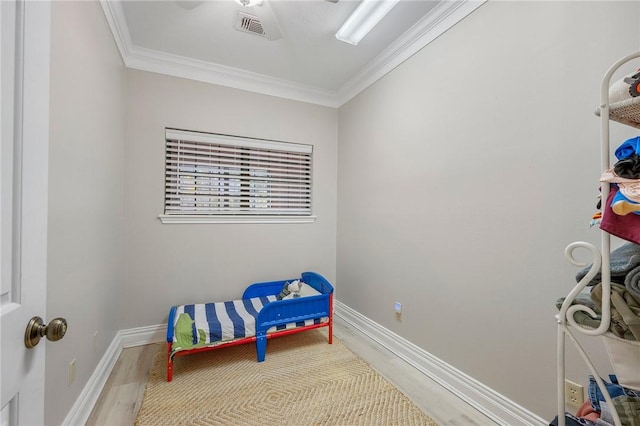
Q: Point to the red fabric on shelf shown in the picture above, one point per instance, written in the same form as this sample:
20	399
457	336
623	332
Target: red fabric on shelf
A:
626	227
586	411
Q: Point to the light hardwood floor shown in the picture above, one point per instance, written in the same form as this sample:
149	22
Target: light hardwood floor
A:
122	395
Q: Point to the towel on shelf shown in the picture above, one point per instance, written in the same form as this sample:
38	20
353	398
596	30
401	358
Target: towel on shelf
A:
632	282
625	311
581	317
622	260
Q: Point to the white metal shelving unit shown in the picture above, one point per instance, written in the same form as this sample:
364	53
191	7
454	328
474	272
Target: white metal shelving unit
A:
626	112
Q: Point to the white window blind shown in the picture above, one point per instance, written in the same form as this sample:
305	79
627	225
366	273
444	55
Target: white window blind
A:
212	175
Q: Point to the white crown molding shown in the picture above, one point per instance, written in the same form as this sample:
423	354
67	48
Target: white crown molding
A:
143	59
435	23
118	23
440	19
179	66
484	399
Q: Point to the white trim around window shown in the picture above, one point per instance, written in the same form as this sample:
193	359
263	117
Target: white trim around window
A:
214	178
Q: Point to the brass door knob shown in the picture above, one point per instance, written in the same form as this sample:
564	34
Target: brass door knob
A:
36	329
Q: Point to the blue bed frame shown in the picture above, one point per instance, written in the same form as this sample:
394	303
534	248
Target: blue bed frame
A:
273	314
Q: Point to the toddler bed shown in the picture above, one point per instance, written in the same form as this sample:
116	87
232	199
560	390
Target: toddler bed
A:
266	310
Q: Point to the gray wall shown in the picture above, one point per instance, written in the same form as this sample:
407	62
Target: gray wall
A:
463	175
174	264
85	196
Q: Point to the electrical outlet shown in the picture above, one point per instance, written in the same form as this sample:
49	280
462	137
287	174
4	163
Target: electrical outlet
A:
573	394
72	371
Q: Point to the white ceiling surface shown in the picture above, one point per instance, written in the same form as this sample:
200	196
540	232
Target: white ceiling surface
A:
198	40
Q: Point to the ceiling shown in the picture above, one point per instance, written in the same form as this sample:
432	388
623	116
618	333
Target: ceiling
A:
298	57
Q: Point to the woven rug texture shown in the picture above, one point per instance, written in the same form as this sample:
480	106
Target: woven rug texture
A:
303	381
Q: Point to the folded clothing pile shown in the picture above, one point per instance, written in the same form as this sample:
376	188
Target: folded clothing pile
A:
625	268
626	402
619	215
625	293
596	411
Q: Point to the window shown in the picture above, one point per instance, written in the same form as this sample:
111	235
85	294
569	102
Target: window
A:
220	178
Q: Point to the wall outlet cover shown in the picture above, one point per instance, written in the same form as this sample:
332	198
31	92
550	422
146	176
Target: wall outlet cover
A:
573	394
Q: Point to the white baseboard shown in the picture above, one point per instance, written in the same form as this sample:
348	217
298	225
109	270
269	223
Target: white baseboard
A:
81	410
492	404
484	399
143	335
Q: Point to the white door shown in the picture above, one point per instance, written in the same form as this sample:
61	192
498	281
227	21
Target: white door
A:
24	126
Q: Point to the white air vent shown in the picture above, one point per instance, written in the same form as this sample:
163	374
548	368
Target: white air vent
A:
249	24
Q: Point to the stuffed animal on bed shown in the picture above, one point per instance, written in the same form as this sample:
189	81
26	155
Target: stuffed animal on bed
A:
291	289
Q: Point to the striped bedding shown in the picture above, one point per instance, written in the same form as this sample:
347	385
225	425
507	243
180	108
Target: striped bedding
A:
221	322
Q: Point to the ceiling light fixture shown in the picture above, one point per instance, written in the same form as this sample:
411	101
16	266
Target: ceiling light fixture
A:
249	3
363	19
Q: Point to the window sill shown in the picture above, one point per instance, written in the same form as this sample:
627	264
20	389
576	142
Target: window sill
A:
186	219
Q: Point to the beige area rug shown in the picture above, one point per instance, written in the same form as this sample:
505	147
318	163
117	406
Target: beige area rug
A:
303	381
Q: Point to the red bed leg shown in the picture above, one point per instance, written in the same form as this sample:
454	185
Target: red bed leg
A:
169	363
330	318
